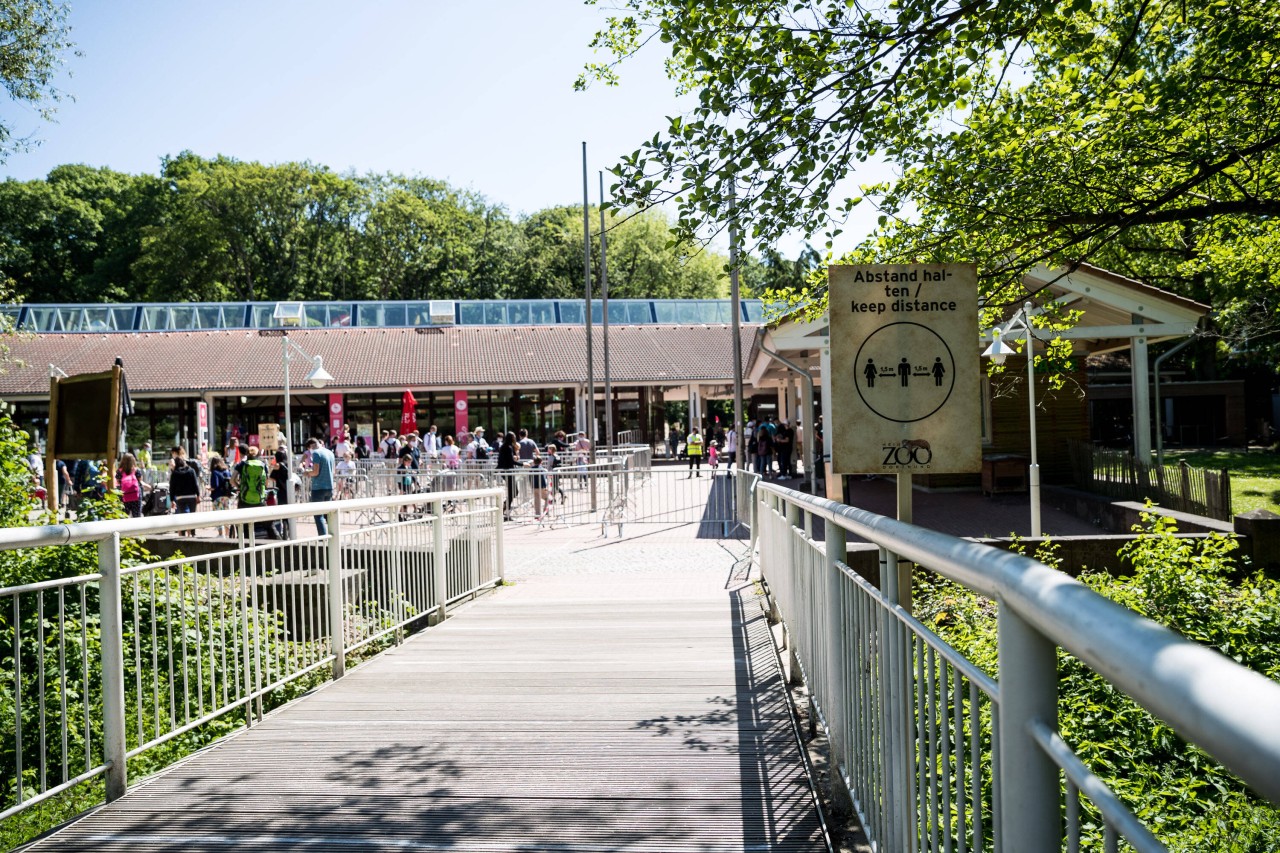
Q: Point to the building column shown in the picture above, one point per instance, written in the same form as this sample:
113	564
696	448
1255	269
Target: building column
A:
835	484
1141	381
695	407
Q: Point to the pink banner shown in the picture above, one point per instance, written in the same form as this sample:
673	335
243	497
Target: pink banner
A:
461	415
336	416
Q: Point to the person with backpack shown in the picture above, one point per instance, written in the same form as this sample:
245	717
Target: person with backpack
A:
251	480
184	489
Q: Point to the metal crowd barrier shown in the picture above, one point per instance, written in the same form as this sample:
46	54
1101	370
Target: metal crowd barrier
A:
934	753
102	667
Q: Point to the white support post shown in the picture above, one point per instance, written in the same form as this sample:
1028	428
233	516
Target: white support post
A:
337	607
114	745
1027	795
838	712
1141	400
835	483
438	557
499	550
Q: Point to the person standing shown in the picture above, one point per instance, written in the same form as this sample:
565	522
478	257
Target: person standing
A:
184	489
731	444
321	474
693	450
528	448
673	441
764	450
507	467
783	444
130	486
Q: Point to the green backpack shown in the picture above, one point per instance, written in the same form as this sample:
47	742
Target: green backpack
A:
253	483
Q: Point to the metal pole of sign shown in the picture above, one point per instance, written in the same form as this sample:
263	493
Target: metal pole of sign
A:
904	566
589	427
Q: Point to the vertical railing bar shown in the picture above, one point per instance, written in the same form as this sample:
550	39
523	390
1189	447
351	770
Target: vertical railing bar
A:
253	588
62	678
242	597
168	632
84	675
958	693
935	815
40	686
155	658
182	638
1073	817
1109	838
17	697
997	778
138	695
975	759
921	811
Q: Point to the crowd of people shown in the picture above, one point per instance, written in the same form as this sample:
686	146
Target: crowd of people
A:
768	446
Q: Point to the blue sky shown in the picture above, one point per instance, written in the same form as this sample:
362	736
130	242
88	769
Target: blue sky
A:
479	95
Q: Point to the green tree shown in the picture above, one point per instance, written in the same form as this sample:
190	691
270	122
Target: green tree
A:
34	36
1134	133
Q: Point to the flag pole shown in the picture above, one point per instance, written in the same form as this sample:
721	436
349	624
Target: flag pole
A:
604	305
586	285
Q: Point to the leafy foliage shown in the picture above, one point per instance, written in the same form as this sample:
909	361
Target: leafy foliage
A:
221	229
1136	134
33	38
1191	586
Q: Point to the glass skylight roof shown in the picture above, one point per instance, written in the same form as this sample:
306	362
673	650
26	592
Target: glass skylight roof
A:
189	316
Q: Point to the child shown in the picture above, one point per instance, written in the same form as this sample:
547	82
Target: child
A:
713	456
538	475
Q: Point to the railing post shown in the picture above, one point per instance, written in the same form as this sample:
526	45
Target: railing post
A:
1026	788
793	523
838	712
337	605
895	685
113	713
438	557
500	554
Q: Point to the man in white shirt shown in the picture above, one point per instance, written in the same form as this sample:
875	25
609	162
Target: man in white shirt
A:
431	442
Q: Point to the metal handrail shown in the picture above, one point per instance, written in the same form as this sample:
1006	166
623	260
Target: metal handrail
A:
1230	711
217	622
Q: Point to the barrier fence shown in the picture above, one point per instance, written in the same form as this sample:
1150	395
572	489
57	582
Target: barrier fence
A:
1116	474
106	666
937	755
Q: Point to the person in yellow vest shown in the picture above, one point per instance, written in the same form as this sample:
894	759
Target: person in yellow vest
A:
693	449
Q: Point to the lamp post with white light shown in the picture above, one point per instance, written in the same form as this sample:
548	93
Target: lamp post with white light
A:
318	377
998	352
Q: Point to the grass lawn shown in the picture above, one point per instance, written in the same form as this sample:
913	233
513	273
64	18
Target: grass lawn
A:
1255	475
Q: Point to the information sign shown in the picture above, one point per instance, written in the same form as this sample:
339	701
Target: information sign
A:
905	369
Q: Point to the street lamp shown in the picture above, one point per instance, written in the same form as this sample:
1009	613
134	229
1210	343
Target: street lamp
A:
318	377
998	352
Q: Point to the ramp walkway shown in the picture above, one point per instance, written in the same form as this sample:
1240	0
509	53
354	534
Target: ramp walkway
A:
623	695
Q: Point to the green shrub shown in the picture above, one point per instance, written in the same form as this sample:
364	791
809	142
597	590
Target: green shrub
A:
1187	799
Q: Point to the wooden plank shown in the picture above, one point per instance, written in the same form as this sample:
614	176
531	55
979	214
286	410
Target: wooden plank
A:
580	713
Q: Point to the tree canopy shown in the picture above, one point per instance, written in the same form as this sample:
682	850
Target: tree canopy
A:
1140	135
222	229
33	38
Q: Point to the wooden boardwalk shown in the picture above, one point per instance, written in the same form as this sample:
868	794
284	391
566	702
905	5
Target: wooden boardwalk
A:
626	709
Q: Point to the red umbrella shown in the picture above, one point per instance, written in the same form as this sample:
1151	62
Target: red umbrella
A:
408	413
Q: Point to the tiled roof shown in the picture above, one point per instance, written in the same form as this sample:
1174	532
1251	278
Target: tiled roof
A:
383	359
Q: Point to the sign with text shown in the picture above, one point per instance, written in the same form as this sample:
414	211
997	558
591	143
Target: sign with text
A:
269	437
905	369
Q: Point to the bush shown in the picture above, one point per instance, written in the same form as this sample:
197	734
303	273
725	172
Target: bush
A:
1190	801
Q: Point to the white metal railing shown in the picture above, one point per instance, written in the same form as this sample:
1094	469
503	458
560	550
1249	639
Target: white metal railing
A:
99	668
934	753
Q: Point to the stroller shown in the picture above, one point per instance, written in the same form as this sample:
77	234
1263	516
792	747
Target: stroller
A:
156	501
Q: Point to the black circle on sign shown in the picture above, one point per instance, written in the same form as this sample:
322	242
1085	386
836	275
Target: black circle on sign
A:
857	360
